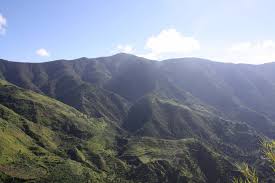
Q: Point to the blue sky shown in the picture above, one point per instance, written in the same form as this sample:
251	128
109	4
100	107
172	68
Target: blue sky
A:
239	31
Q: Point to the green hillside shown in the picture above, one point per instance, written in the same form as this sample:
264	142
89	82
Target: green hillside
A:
127	119
43	139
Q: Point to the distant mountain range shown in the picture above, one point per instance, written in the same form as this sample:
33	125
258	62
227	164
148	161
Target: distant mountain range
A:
125	118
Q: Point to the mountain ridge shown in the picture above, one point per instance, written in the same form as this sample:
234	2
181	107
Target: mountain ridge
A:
133	55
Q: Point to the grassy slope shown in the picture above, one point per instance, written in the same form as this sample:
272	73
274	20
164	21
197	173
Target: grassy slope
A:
193	161
44	140
161	118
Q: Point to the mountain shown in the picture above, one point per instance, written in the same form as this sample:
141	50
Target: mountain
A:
128	119
44	140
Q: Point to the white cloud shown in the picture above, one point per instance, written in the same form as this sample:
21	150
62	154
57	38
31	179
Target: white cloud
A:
42	52
124	48
253	52
3	24
170	41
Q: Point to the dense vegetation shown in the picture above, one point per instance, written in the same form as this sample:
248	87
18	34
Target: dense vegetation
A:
127	119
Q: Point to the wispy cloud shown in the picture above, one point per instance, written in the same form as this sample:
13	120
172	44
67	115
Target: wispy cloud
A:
124	48
253	52
42	52
170	43
3	24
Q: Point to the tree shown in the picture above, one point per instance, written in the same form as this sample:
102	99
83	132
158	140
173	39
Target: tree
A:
249	174
269	152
